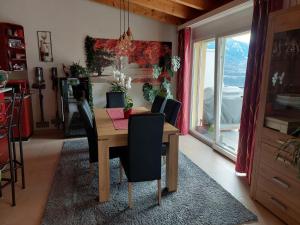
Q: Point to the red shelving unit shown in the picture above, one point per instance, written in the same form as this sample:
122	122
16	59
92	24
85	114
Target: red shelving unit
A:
12	47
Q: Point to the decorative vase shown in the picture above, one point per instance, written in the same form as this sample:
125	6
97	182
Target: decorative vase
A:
3	78
127	113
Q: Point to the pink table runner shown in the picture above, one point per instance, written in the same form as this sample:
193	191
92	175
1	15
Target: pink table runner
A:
117	117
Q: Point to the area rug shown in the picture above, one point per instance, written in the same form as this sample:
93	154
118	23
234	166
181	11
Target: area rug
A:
199	199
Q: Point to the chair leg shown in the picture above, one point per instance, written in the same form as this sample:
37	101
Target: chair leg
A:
15	158
159	191
12	173
121	172
22	160
130	195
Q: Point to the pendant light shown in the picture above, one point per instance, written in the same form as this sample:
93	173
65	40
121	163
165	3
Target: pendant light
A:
125	39
129	33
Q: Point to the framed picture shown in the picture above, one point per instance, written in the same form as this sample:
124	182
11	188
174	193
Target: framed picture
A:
138	64
45	46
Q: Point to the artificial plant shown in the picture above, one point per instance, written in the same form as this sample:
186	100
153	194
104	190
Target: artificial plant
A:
77	70
122	84
289	152
169	65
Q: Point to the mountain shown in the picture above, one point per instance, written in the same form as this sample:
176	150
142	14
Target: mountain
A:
236	56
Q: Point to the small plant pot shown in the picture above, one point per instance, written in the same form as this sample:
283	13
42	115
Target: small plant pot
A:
127	113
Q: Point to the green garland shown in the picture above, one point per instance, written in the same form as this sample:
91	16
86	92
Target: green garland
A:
89	52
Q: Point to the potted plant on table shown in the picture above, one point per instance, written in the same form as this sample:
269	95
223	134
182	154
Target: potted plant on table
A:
123	84
128	107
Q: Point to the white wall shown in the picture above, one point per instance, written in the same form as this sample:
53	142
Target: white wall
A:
69	22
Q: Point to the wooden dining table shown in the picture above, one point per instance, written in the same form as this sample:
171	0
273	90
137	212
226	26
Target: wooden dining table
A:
108	137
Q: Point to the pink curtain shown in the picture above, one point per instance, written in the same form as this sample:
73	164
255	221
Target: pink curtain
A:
262	8
184	78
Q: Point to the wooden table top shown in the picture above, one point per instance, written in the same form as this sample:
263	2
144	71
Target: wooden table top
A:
106	129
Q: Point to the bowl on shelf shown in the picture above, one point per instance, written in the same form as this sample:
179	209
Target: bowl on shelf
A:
291	100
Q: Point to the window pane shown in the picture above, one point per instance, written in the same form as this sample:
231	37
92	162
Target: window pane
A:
204	69
235	63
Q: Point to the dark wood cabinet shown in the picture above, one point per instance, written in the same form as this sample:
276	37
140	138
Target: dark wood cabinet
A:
12	48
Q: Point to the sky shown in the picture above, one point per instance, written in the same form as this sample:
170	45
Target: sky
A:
243	38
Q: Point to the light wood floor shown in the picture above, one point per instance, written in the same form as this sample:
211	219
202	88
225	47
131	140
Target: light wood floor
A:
42	153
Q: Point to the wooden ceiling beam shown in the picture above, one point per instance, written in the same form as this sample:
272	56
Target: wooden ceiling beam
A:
140	10
168	7
198	4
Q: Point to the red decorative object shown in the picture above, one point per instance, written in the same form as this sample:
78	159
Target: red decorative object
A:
253	84
117	117
12	47
3	141
141	57
184	78
127	113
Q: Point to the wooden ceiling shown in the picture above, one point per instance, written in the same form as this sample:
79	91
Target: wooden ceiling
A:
168	11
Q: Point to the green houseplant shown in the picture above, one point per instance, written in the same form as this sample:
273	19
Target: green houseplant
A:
123	84
78	71
164	89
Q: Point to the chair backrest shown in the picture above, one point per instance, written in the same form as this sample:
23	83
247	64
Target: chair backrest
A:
145	132
171	111
89	126
158	104
115	100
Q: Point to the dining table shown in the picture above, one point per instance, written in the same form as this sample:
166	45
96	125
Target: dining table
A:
110	136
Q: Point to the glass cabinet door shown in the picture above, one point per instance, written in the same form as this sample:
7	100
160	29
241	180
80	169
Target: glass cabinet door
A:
282	112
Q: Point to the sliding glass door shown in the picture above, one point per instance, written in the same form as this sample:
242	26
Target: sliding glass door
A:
204	113
218	85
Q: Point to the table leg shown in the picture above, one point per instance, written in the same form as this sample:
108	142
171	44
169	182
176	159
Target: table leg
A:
103	166
172	163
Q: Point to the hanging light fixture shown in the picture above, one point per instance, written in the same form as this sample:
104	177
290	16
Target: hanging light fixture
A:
125	39
129	33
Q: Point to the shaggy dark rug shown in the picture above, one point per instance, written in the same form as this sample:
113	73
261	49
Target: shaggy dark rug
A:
199	199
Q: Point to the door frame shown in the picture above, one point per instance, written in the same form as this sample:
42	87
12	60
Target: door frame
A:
218	79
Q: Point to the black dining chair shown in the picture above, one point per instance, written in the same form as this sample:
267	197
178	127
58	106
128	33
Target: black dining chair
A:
91	132
171	112
158	104
115	100
142	161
